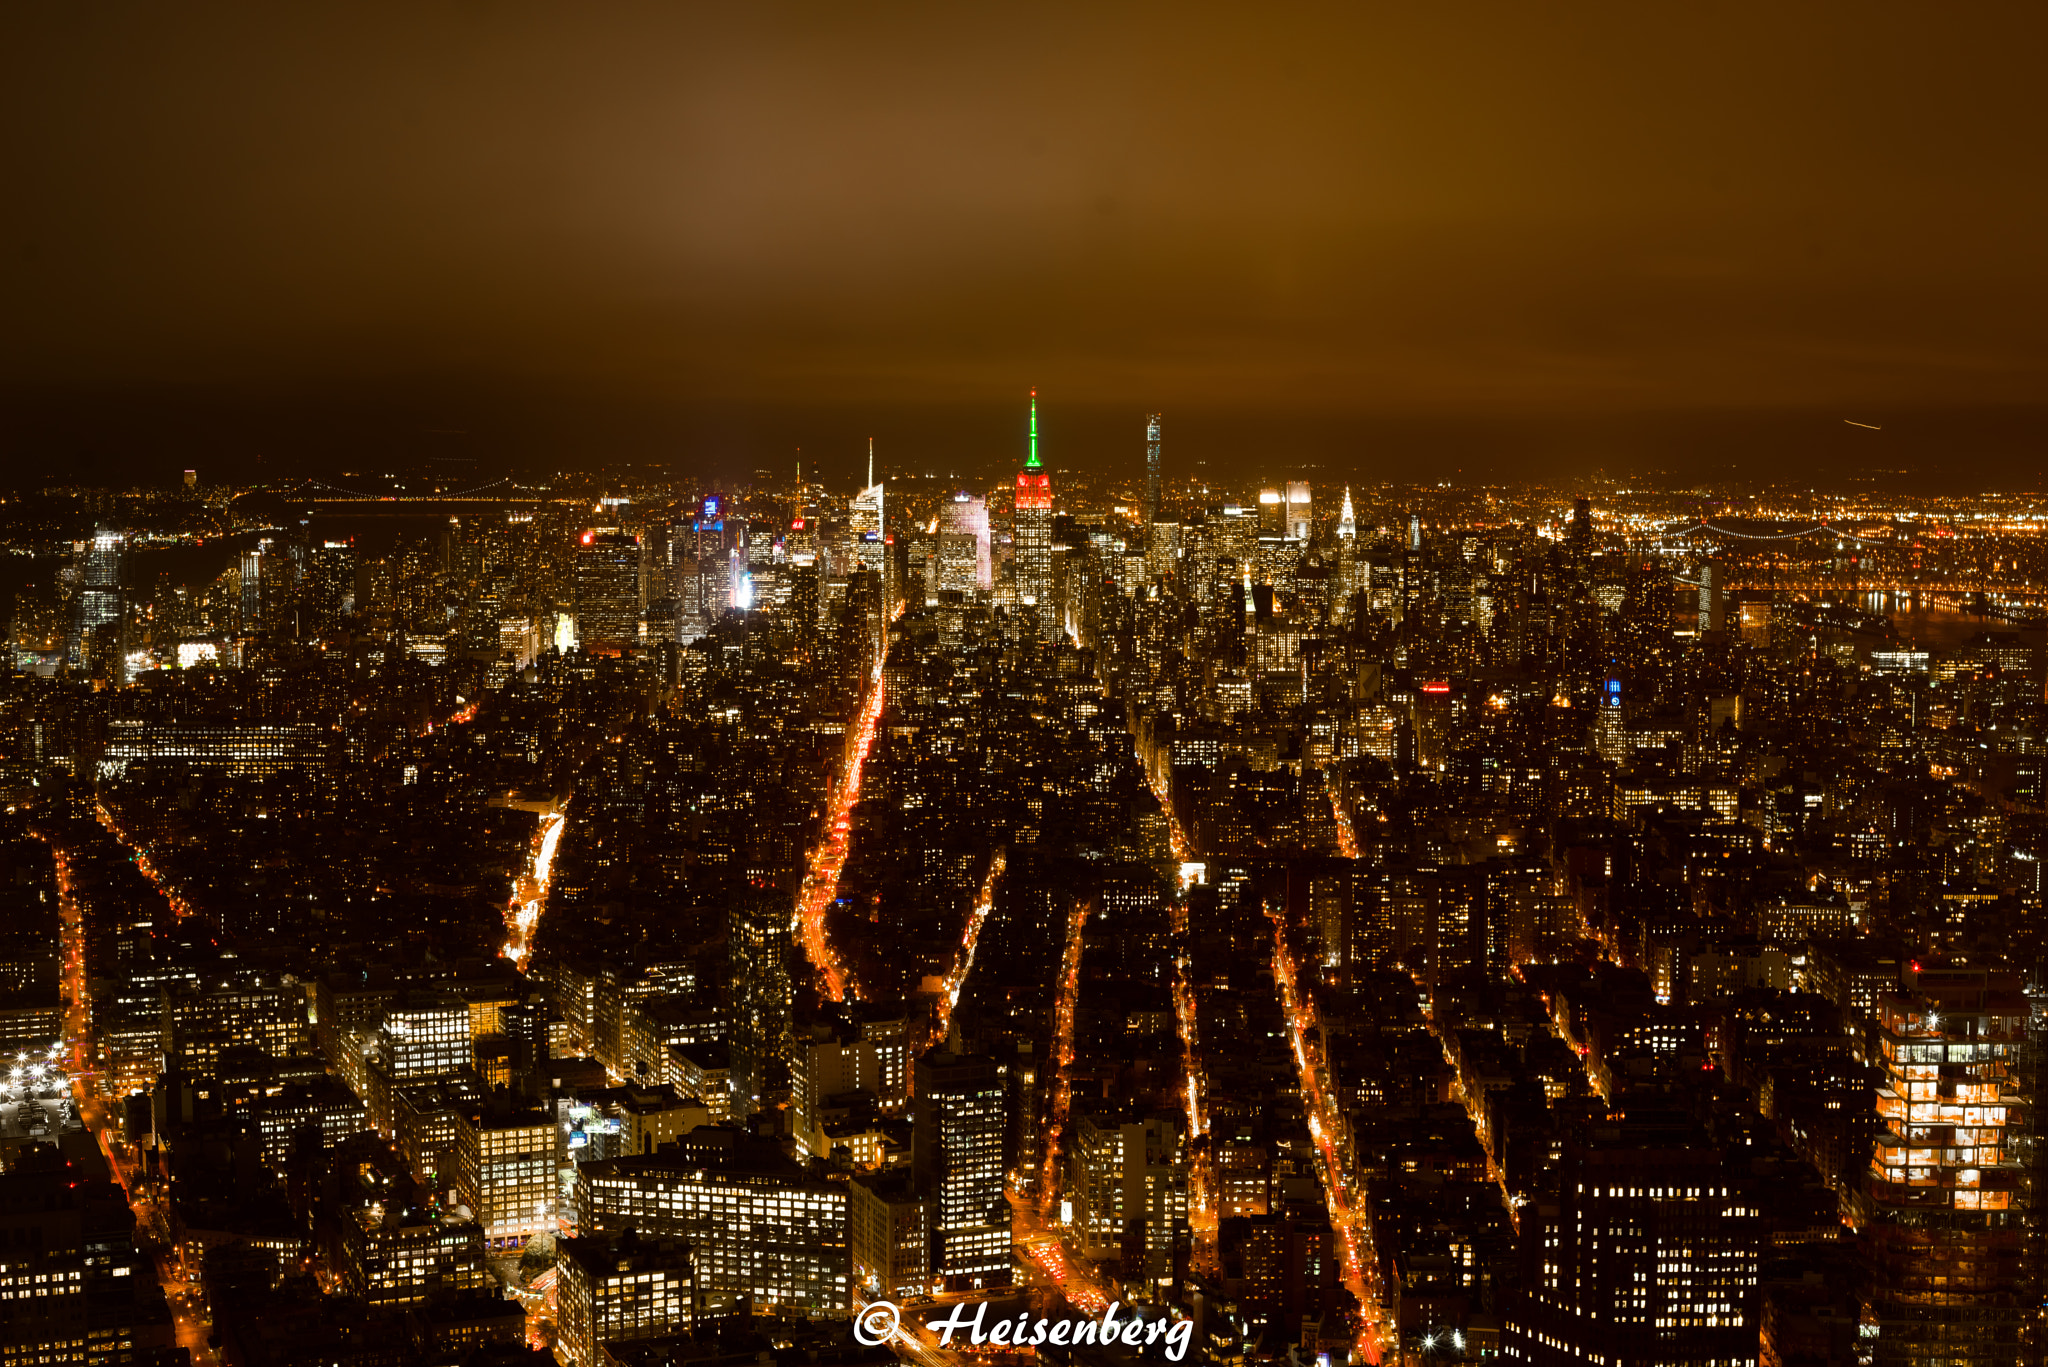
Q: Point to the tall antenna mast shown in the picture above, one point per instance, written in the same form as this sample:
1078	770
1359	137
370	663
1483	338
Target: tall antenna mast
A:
871	462
1032	463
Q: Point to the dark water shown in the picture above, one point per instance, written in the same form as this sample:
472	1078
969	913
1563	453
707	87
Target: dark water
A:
1945	629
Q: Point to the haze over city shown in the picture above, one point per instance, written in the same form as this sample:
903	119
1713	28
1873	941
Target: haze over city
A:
1612	238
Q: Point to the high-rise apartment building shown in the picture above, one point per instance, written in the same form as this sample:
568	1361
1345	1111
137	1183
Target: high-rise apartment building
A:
1128	1184
628	1287
1713	596
1162	554
889	1230
426	1036
1648	1255
331	587
959	1122
505	1165
759	944
830	1058
200	1022
757	1224
254	748
410	1256
1942	1212
324	1110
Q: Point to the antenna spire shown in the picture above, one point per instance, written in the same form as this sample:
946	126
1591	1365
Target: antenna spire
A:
1032	463
871	462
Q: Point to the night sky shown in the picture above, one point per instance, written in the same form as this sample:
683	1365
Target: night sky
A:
1395	241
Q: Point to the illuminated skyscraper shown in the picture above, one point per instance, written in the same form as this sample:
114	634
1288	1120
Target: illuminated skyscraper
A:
959	1121
1299	520
1272	513
964	559
251	601
608	590
1713	597
867	527
1942	1214
759	944
864	511
96	618
1610	731
1151	467
331	595
710	565
1347	522
1032	530
1414	569
1162	556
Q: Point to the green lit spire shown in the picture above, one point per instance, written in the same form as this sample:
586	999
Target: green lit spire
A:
1032	464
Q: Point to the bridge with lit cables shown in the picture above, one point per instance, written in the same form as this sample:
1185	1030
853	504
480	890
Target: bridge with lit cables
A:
334	494
1817	529
1866	578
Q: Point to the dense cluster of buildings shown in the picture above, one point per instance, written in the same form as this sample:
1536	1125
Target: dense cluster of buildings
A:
646	923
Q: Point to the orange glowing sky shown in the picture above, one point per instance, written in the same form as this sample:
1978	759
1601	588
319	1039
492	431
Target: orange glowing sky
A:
677	231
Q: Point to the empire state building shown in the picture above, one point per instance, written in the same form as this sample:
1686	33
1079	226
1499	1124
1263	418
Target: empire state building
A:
1032	533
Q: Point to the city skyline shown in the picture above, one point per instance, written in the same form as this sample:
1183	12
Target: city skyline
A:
585	877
